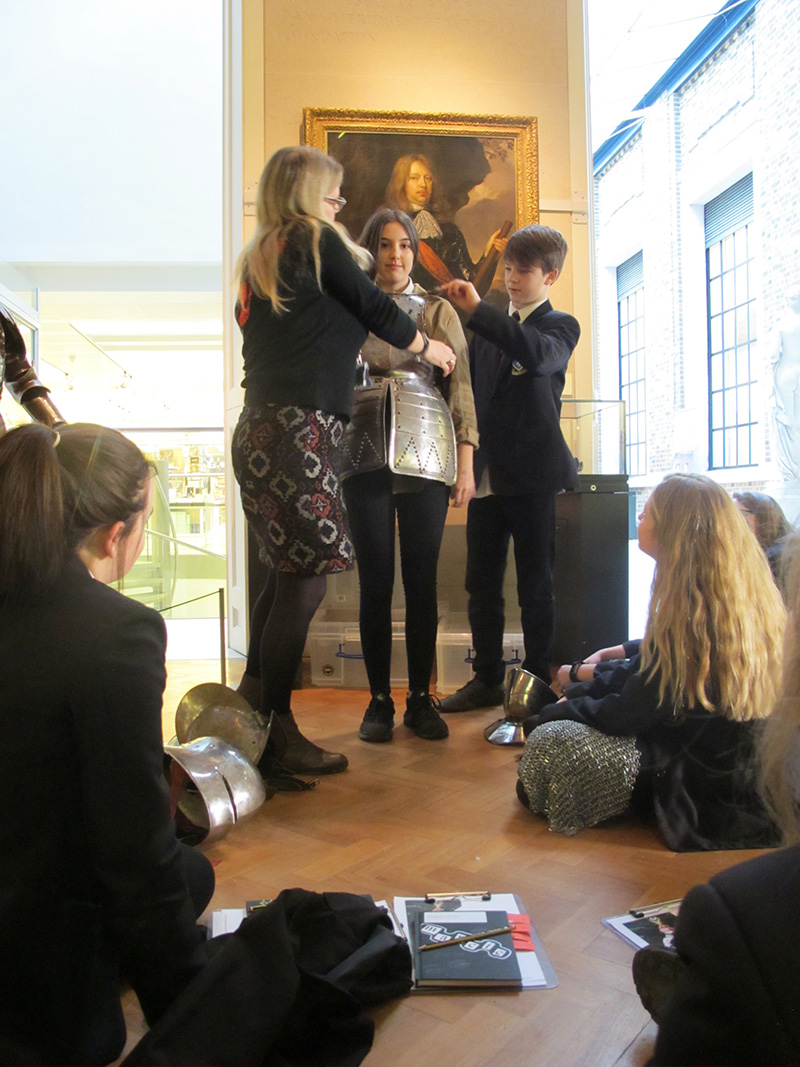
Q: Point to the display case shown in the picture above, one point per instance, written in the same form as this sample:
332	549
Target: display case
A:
197	493
595	433
191	468
183	566
197	507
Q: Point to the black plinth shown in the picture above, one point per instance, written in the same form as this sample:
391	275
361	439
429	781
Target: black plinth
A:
591	575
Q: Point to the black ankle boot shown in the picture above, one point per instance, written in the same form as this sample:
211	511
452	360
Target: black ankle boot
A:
299	755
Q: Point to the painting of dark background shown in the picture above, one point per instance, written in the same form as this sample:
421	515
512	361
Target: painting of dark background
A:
459	164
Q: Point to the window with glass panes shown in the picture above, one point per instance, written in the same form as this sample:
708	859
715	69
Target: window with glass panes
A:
630	311
731	327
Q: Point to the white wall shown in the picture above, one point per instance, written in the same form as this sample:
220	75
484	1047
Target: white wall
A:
111	119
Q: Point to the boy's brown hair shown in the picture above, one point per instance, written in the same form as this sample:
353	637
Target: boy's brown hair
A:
537	246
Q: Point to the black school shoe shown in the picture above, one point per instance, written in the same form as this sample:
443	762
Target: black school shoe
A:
378	721
475	694
422	716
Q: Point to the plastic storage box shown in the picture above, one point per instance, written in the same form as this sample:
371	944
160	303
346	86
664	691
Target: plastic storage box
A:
454	652
334	645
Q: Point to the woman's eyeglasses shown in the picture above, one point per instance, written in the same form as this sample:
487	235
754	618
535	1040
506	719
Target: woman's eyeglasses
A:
336	202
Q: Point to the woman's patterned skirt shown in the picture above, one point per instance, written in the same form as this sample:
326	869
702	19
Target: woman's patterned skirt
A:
286	461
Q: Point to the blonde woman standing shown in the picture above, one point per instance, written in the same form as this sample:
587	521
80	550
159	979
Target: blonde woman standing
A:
679	721
305	308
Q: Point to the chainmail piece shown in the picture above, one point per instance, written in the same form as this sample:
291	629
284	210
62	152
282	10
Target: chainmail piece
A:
577	776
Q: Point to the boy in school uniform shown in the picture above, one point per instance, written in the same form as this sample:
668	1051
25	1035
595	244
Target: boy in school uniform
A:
519	354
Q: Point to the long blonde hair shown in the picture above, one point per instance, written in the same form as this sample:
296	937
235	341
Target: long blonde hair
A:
780	741
290	192
716	620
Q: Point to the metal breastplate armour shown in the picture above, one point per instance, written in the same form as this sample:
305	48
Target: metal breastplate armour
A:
401	420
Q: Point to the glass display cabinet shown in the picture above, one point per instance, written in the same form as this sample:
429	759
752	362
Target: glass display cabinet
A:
184	559
595	433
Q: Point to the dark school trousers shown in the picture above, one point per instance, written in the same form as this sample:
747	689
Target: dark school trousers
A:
492	522
371	508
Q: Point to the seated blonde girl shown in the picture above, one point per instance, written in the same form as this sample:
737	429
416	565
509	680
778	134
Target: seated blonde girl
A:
679	722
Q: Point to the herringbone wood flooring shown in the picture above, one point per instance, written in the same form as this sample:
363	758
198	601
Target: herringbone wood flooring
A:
418	816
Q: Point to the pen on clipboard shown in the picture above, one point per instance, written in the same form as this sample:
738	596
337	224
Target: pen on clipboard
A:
467	937
653	909
478	894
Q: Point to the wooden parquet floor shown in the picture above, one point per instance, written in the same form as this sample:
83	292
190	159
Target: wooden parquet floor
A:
417	816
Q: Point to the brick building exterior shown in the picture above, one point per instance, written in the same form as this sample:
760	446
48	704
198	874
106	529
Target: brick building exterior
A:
697	250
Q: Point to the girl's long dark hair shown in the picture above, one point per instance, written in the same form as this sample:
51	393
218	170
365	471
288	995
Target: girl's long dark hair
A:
373	231
56	488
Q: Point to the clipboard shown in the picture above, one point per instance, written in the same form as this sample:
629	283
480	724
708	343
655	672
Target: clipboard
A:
648	925
535	967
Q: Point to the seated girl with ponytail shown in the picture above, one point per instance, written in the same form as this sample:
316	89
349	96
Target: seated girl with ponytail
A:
94	886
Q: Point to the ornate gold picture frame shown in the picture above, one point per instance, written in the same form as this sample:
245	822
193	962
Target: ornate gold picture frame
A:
485	167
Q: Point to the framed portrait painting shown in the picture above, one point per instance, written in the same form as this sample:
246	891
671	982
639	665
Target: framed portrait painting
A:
462	178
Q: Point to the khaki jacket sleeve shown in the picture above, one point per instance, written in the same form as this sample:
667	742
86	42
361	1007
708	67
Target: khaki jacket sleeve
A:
443	324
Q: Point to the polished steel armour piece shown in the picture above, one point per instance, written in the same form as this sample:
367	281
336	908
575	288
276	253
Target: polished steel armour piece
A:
220	786
213	710
364	439
524	695
401	419
422	441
